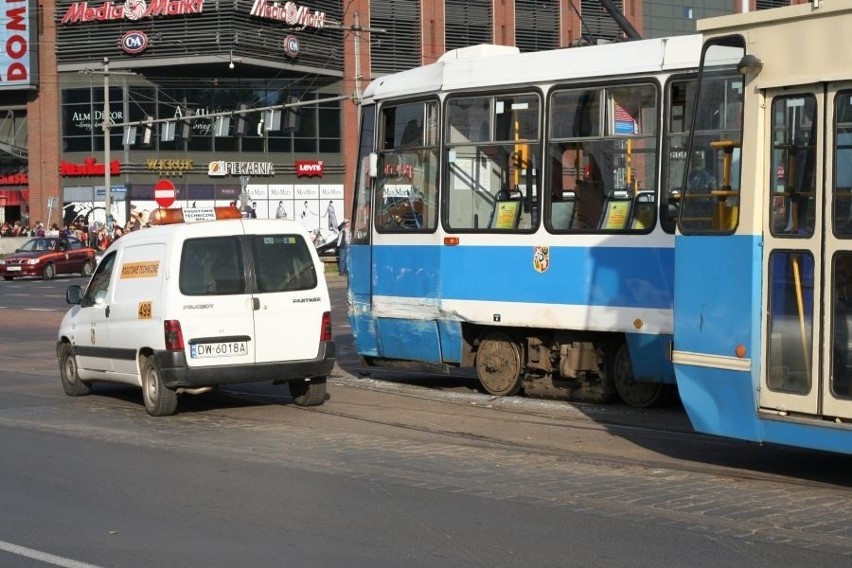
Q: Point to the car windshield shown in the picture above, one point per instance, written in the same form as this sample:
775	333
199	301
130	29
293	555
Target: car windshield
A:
35	245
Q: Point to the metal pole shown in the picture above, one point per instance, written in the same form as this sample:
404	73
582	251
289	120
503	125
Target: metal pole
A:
357	29
106	124
620	19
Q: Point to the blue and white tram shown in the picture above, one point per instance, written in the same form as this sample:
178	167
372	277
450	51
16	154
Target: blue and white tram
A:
515	213
763	267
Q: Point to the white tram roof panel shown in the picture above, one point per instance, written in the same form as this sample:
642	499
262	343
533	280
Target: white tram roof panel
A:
494	65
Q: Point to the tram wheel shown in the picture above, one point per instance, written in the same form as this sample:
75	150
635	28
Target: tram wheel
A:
637	394
498	365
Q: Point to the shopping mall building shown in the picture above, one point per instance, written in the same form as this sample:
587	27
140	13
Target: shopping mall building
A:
254	96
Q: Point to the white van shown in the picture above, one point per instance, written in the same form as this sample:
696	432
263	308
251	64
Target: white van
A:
183	308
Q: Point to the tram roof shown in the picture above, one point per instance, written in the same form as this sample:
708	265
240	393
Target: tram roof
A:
493	66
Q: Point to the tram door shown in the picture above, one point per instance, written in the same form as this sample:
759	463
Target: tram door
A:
807	264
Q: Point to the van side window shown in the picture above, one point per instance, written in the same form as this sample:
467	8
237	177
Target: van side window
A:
212	266
283	263
99	286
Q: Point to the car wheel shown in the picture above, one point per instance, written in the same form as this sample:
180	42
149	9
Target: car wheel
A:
159	399
7	278
309	392
88	268
71	383
49	272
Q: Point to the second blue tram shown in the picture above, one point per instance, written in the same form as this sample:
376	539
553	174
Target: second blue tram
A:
515	213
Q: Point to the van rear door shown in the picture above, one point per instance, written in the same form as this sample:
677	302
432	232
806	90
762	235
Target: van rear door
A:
215	311
291	297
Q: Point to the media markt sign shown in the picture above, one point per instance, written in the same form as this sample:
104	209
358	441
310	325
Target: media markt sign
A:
222	168
130	10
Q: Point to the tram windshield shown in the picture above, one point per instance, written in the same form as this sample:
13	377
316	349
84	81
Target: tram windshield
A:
407	182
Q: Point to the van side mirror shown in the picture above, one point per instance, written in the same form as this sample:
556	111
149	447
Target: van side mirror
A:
100	297
73	295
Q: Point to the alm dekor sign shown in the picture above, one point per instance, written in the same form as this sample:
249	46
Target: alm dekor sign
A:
130	10
222	168
89	122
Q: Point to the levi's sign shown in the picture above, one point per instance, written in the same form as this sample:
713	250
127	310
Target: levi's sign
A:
309	167
130	10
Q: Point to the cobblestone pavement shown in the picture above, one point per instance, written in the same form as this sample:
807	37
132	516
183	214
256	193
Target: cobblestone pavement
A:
651	490
581	458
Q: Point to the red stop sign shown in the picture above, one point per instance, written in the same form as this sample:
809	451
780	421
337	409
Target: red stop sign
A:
164	193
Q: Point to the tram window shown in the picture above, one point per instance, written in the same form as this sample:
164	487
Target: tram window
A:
363	183
793	167
604	160
709	202
406	189
576	113
469	120
493	157
841	334
790	325
842	204
681	98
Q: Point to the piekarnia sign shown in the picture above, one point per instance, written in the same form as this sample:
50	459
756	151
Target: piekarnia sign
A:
130	10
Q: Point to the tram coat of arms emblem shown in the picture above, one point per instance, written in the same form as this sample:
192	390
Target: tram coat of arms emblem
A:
541	258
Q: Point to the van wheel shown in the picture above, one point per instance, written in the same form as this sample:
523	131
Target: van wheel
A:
88	268
7	278
49	272
159	399
71	383
308	393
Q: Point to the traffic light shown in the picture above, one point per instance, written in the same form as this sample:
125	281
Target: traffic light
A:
242	124
186	125
148	132
291	119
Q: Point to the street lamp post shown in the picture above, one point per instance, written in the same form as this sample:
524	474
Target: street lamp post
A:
106	127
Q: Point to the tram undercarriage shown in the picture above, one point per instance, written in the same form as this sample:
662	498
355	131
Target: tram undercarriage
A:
589	367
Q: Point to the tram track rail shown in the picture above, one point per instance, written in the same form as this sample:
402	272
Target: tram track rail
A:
688	451
737	489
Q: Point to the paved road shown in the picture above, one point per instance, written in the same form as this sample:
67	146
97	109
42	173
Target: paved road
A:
387	473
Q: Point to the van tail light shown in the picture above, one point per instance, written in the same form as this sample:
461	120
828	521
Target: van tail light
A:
174	336
325	333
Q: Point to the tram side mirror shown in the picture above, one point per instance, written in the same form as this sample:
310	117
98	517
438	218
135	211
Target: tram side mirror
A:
374	165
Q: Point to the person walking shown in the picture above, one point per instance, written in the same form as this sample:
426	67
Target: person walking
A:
342	247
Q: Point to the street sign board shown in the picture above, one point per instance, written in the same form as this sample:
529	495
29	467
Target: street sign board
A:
164	192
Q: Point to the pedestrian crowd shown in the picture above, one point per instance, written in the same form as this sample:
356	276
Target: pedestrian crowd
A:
96	235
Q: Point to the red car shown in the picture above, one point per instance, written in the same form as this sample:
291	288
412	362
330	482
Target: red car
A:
47	257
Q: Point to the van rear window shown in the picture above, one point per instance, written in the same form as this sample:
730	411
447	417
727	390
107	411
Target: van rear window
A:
283	263
212	266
